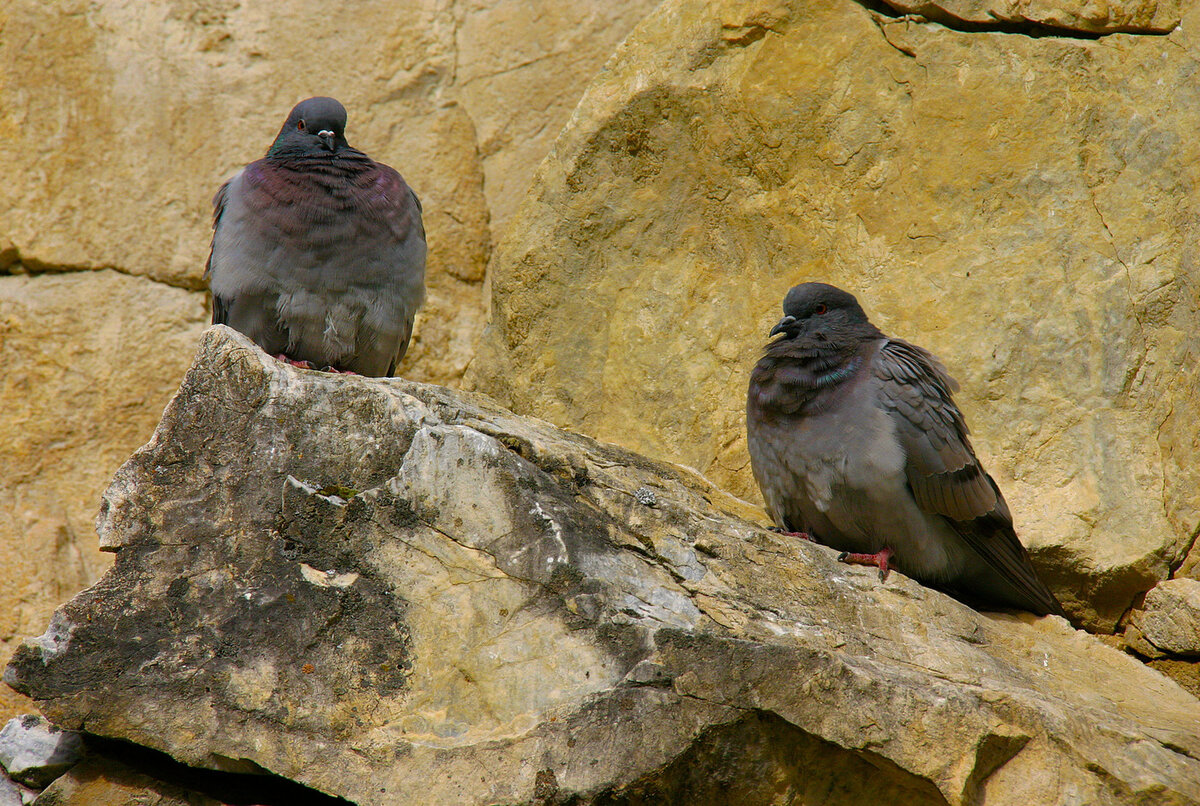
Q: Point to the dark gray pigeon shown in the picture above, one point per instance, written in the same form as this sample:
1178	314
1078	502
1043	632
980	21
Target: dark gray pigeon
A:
855	441
318	251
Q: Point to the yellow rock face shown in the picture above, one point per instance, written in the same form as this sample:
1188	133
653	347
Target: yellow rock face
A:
90	360
138	111
120	121
1094	16
1023	207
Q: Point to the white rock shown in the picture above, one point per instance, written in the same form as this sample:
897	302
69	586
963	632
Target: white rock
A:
10	793
35	752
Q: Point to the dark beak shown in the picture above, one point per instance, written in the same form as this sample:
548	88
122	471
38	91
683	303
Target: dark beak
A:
328	138
784	325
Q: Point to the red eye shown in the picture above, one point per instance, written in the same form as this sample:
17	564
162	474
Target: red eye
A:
820	309
300	125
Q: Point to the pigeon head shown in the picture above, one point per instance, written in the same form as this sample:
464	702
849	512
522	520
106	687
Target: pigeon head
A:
315	126
823	313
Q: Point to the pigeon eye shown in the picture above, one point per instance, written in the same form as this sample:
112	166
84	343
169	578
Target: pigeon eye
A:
820	309
300	125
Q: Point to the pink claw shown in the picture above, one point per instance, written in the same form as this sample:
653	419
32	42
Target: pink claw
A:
311	365
301	364
802	535
880	559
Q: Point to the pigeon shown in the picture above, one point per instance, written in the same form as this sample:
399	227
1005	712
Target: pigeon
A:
318	251
855	441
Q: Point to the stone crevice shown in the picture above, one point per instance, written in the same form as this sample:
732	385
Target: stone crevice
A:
451	566
1030	28
515	67
1186	550
265	787
478	549
32	267
882	20
740	708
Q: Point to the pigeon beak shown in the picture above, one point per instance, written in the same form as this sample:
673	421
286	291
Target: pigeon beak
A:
328	139
784	325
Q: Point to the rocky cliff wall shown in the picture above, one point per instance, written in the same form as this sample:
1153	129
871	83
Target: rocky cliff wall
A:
1009	184
122	118
1015	195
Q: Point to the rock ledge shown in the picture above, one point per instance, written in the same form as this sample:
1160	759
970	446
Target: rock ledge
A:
397	594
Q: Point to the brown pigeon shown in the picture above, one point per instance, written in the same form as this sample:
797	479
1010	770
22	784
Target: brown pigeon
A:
318	251
855	440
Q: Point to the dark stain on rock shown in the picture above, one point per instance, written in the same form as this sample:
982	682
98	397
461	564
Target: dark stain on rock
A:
545	786
761	758
253	622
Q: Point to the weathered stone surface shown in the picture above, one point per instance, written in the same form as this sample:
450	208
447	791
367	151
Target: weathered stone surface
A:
1191	563
35	752
139	110
122	119
1185	673
1170	617
103	782
10	793
401	595
90	359
1107	16
1025	207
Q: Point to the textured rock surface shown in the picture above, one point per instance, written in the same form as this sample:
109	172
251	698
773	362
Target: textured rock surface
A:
1107	16
90	359
401	595
123	118
1191	563
10	793
1170	617
103	782
130	96
1024	207
35	752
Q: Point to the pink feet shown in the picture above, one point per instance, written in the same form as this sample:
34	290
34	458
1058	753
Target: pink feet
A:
311	365
802	535
301	364
879	559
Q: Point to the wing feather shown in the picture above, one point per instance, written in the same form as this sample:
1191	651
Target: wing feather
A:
220	314
943	473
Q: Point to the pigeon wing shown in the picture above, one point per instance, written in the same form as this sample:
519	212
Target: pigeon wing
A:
220	315
242	296
943	473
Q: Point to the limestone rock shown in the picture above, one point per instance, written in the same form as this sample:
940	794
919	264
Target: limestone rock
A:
1191	562
90	359
123	117
139	110
34	752
402	595
1025	207
10	793
103	782
1170	617
1185	673
1106	17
